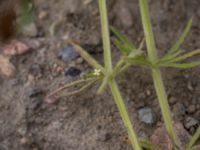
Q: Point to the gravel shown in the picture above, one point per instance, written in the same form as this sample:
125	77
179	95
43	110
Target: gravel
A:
147	115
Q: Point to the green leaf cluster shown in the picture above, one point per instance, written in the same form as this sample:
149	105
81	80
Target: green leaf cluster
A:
174	58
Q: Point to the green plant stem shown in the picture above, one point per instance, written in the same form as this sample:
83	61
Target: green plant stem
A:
194	139
151	48
118	67
105	35
106	44
111	82
157	78
162	98
124	114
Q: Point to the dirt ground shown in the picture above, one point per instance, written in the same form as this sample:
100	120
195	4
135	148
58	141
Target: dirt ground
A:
88	121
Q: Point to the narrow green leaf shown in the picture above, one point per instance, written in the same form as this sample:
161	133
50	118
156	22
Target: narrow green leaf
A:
148	145
80	89
181	38
124	39
185	56
195	148
72	84
123	61
194	138
138	52
139	60
118	67
122	47
181	65
124	68
87	57
103	85
169	57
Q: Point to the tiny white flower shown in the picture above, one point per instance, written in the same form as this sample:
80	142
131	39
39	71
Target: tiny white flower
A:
97	72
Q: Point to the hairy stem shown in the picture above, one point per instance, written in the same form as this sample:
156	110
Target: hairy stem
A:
112	83
105	35
124	114
157	78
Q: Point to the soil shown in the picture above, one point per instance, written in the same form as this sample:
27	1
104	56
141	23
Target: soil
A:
88	121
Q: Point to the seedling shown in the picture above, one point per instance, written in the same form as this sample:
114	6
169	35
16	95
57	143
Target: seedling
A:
174	58
105	75
107	71
133	55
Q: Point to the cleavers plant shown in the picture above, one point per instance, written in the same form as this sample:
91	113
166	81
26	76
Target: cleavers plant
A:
174	58
131	55
106	73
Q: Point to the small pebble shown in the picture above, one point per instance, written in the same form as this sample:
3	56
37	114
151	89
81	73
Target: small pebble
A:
161	138
72	71
68	54
15	48
147	115
190	122
6	67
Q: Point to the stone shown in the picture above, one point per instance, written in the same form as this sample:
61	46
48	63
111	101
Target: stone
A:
68	54
15	47
147	115
72	71
161	138
6	67
190	122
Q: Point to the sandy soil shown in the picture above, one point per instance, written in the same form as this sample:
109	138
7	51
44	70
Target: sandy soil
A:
87	121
